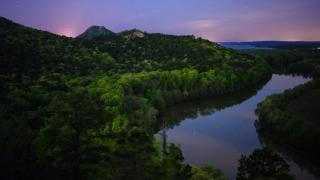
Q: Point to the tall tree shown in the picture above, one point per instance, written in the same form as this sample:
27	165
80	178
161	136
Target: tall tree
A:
263	164
67	135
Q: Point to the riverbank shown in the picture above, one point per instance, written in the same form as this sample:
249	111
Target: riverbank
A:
218	131
291	119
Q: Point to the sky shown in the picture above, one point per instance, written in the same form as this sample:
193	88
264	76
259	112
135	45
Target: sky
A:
216	20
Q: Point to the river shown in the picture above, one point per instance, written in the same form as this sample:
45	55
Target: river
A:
219	130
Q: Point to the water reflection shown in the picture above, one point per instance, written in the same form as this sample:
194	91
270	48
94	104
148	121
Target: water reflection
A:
204	107
219	130
294	158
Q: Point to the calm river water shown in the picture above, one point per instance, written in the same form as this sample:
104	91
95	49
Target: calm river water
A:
220	130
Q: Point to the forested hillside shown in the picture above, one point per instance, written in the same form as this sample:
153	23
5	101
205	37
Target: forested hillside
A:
290	120
85	108
303	60
136	51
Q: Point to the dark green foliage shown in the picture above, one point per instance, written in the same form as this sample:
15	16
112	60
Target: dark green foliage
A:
21	115
263	164
303	60
291	118
173	161
207	172
65	142
85	109
96	31
166	52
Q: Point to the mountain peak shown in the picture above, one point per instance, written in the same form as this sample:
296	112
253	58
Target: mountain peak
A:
133	33
96	31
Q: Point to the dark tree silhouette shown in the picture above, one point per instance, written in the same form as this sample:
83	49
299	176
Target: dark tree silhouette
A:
263	164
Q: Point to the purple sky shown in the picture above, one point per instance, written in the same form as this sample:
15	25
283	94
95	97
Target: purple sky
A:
217	20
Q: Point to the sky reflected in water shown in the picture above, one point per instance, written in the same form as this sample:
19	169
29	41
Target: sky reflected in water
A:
221	138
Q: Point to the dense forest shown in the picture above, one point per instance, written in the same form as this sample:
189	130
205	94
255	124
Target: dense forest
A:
263	164
301	60
290	120
85	108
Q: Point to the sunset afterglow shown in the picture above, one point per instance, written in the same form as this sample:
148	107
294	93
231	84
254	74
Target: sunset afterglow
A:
213	19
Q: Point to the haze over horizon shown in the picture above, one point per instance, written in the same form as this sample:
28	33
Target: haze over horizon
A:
247	20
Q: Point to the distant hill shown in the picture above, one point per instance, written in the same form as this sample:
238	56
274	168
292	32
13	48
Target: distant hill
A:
267	44
96	31
139	50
